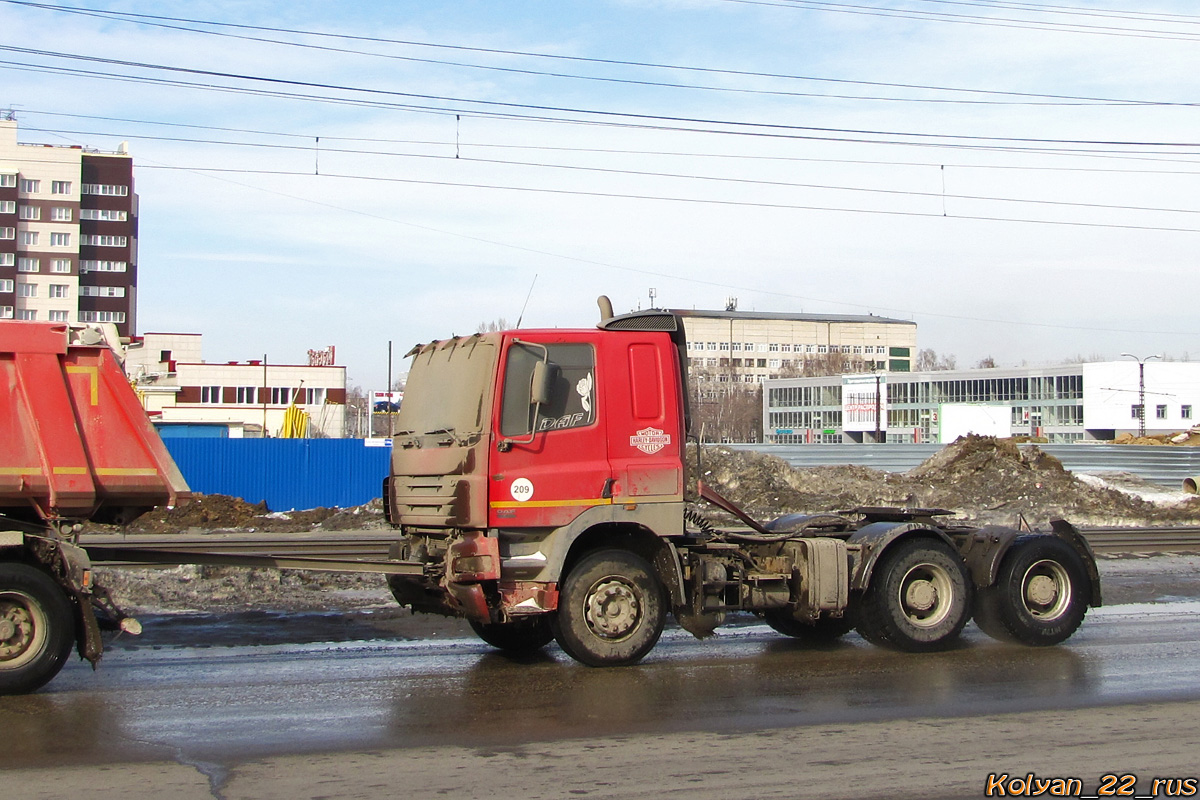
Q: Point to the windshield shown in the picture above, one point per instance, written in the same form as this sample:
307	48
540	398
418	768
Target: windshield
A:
447	388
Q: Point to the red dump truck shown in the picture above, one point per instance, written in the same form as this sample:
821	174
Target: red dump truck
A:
77	445
538	477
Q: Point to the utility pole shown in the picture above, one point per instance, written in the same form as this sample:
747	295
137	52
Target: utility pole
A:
389	391
1141	390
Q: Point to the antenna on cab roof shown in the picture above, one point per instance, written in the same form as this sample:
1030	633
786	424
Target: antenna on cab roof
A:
527	296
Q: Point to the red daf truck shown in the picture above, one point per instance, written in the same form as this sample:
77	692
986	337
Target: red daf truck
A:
538	478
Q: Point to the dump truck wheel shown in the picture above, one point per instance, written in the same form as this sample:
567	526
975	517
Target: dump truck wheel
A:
1040	596
919	598
825	629
524	635
36	628
611	609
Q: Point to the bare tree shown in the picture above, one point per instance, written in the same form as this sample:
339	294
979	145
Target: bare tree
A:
987	362
836	363
357	413
1080	358
928	360
724	411
498	324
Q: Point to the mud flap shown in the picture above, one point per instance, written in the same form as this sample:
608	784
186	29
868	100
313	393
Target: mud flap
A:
1068	533
87	630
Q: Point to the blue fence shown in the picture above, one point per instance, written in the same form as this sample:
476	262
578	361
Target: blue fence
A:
286	473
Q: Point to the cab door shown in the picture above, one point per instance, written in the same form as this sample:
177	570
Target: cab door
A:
549	455
644	414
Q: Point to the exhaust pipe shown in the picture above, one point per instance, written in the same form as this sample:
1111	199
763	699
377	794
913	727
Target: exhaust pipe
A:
606	311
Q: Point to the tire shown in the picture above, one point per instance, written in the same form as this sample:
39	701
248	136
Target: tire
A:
821	631
919	598
1040	596
611	609
37	628
523	635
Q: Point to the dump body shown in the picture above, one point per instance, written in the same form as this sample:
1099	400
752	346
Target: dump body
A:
77	444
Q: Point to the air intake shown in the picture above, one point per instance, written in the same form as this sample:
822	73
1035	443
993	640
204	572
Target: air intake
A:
643	321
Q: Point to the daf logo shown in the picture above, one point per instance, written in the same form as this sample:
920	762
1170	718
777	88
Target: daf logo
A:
650	440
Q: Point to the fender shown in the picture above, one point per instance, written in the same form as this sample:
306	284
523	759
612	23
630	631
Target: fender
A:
876	537
983	551
1071	535
540	554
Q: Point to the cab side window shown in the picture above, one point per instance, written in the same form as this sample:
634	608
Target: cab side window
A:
573	393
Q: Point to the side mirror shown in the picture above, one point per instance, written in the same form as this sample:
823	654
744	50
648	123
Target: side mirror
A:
545	375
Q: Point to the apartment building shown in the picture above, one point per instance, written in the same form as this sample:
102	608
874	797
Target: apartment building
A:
68	233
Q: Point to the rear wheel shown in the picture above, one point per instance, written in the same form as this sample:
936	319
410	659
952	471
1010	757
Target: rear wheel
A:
1040	596
523	635
36	628
919	598
611	609
823	630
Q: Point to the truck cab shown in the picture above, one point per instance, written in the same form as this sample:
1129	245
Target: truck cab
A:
514	445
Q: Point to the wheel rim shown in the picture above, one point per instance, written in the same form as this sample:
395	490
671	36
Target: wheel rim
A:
23	629
926	595
611	608
1046	590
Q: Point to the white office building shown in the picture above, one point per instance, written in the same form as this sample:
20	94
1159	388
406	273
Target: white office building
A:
1067	403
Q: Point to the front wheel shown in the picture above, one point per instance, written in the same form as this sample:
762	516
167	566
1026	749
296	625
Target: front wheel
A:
611	609
919	598
36	628
522	635
1040	596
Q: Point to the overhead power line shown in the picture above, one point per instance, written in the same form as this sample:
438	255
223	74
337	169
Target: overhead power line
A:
774	184
891	11
714	125
1051	9
682	278
1024	98
735	156
677	199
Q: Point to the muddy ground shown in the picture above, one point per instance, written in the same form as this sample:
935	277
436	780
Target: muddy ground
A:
982	479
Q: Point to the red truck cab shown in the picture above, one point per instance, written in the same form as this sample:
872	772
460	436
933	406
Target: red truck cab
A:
536	437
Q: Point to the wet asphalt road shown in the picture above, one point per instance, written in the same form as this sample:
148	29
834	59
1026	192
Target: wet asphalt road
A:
225	705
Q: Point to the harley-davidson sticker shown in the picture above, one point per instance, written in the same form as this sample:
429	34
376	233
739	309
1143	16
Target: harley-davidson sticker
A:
650	440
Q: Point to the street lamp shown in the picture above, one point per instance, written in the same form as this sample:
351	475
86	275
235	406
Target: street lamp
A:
1141	390
878	406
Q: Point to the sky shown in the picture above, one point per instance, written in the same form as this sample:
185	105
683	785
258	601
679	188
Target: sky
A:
1019	178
